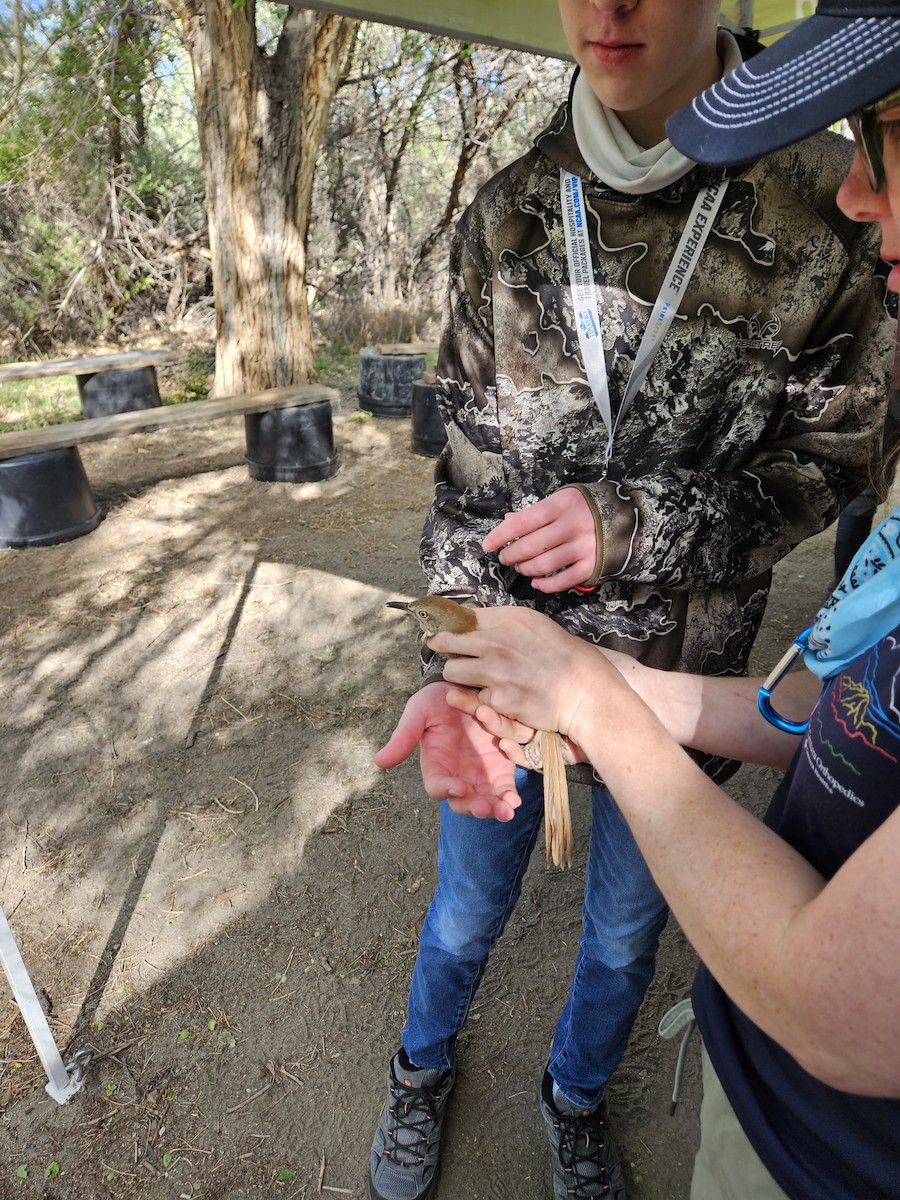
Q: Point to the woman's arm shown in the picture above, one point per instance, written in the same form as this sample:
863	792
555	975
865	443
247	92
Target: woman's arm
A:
719	714
815	964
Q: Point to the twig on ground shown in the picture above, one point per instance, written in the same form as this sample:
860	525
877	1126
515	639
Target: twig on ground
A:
233	812
249	789
234	706
256	1095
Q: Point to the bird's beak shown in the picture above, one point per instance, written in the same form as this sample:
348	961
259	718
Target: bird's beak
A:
401	604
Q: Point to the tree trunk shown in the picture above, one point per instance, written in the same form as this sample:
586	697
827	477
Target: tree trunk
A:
11	104
261	121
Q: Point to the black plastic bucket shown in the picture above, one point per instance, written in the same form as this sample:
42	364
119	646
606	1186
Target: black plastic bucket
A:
45	498
108	392
291	445
428	433
386	382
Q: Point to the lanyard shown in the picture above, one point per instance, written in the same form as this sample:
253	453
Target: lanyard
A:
584	293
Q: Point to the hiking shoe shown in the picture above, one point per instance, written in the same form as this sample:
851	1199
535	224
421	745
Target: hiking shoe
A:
404	1160
584	1157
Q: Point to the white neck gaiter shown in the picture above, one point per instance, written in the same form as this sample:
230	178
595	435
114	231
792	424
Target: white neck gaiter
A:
612	153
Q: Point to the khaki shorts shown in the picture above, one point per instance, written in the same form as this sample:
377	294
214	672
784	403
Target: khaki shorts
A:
726	1167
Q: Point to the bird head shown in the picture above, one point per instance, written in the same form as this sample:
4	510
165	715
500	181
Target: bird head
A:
437	614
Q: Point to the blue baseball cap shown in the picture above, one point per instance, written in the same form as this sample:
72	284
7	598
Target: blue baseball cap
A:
843	58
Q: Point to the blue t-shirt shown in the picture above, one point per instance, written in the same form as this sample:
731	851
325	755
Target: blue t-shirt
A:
817	1142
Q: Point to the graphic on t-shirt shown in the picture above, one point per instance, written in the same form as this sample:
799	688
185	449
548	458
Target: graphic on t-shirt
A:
864	707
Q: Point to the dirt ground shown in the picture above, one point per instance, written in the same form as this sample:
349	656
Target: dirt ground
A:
215	890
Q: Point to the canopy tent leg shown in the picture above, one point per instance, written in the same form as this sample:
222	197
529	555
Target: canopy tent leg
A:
61	1086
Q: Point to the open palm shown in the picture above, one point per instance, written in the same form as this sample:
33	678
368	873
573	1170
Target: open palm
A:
460	761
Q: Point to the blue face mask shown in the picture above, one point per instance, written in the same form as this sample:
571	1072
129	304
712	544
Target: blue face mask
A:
863	607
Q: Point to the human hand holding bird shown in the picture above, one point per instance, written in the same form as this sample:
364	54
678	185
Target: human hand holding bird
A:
439	614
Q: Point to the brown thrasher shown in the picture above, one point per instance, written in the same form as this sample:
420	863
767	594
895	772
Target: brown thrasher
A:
438	614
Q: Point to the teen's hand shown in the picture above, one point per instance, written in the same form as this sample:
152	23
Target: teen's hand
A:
553	541
512	735
460	760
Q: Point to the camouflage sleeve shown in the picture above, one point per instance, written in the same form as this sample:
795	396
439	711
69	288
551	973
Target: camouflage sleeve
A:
700	529
470	494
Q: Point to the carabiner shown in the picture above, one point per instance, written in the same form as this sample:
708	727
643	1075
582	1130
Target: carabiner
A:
764	696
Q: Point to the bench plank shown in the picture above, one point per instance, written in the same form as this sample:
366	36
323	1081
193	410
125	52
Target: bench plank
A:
406	348
88	364
145	420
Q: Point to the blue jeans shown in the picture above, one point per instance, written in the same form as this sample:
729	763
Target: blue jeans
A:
481	864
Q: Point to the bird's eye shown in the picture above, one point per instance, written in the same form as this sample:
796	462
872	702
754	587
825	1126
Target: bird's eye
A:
423	614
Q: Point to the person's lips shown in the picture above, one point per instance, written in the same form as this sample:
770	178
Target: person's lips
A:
612	53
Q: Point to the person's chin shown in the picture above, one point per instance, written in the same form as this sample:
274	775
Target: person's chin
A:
622	89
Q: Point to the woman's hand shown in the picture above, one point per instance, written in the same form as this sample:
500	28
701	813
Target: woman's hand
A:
529	669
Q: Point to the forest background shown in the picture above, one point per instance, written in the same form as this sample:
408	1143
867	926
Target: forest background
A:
263	178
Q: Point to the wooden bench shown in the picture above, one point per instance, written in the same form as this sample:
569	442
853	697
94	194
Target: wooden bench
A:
387	372
88	364
107	383
45	495
146	420
406	348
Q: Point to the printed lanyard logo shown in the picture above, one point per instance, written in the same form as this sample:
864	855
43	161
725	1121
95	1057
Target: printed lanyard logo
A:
587	309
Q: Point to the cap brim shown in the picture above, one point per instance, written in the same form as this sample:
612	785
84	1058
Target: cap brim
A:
823	70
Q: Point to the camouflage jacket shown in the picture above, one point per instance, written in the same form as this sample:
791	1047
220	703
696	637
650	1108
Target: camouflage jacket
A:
752	429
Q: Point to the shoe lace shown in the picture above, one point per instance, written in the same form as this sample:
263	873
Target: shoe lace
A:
414	1118
583	1154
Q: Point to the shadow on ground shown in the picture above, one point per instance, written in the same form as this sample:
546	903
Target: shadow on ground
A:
216	892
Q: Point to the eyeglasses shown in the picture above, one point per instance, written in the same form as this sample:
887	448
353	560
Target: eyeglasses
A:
868	132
